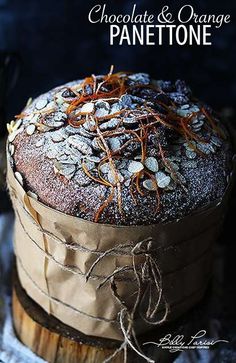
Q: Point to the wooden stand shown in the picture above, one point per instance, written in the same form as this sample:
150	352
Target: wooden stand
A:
56	342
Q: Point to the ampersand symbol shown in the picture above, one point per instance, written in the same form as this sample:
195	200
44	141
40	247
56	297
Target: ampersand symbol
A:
164	16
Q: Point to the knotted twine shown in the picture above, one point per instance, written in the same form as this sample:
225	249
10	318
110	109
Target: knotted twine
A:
147	277
45	229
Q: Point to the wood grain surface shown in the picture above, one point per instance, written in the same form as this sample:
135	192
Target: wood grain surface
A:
56	342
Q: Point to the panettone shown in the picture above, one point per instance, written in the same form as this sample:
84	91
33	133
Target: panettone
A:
121	149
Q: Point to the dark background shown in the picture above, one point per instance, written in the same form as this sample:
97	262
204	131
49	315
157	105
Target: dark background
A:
52	42
56	43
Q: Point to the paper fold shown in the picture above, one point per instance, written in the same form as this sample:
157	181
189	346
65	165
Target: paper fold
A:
55	251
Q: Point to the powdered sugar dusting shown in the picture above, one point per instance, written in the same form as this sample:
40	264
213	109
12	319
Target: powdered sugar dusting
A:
74	158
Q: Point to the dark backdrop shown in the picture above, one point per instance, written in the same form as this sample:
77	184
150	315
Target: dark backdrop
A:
56	43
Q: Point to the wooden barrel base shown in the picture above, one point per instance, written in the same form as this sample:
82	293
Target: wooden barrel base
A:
56	342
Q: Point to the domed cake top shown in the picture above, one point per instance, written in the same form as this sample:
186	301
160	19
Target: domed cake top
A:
129	134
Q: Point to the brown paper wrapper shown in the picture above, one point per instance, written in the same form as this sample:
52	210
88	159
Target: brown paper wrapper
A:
54	251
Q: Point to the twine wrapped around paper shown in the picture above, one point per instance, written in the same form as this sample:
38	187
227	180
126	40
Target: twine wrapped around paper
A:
112	281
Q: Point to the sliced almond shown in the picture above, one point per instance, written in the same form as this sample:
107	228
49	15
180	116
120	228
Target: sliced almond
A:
32	195
87	108
30	129
19	177
135	167
149	184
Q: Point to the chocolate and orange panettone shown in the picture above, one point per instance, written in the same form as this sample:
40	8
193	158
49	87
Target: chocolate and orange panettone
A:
122	149
119	185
